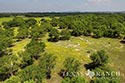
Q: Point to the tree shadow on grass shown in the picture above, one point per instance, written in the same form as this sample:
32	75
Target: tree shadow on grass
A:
91	66
122	41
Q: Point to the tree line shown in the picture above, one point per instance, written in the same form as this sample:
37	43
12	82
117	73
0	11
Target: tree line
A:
40	14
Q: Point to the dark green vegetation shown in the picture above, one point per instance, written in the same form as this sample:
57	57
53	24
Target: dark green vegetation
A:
39	14
39	60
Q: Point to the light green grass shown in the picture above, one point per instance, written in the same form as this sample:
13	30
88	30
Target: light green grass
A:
61	50
19	46
78	46
47	18
5	19
15	31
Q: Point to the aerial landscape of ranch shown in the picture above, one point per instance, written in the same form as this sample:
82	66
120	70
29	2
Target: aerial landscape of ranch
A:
62	48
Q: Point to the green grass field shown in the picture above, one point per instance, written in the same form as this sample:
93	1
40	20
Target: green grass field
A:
78	47
5	19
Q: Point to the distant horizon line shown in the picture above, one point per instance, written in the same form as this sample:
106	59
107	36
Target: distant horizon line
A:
68	12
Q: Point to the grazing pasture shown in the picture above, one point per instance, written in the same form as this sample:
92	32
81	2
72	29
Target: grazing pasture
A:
80	48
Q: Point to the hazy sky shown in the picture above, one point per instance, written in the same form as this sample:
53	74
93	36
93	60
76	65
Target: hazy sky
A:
61	5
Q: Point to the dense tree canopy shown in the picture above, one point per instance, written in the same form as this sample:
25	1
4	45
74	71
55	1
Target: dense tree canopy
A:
13	79
98	59
54	35
8	66
71	67
17	21
55	22
31	22
32	72
5	40
47	62
46	27
35	48
95	25
37	32
65	35
23	32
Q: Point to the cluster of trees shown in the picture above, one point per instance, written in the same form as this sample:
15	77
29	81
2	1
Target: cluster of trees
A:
33	64
26	28
95	25
71	65
32	51
29	28
55	35
23	32
102	73
69	73
17	21
5	40
99	65
32	73
99	59
8	64
36	72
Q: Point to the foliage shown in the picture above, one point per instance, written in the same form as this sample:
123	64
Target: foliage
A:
46	27
13	79
65	35
78	28
32	72
26	59
8	66
55	22
103	80
74	80
62	25
17	21
30	81
35	48
32	51
47	62
54	35
98	59
37	72
95	25
23	32
5	40
31	22
71	65
36	32
103	74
